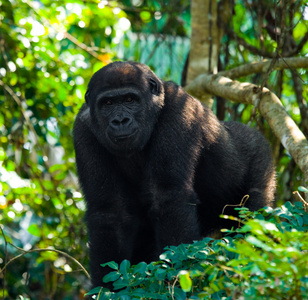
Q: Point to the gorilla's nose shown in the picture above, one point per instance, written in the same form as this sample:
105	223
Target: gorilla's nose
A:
120	121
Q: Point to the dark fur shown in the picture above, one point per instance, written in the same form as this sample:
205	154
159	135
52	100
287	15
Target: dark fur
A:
169	181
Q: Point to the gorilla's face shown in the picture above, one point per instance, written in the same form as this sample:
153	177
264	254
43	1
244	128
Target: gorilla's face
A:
120	117
124	101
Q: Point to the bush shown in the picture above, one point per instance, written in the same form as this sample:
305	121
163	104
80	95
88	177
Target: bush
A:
267	258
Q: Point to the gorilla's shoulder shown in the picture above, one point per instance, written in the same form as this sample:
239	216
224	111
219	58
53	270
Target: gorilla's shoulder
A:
83	117
172	87
176	93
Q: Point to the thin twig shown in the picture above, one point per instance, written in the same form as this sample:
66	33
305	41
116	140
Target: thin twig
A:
18	101
242	204
42	250
298	197
5	260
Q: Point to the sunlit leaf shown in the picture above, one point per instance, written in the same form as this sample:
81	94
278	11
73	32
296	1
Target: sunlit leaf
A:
185	281
35	230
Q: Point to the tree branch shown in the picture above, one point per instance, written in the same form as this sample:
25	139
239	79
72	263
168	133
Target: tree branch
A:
298	89
262	66
270	107
252	68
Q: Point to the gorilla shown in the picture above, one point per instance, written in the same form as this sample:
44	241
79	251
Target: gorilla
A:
157	168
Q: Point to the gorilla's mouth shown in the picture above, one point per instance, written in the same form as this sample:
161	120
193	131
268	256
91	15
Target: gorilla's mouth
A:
122	138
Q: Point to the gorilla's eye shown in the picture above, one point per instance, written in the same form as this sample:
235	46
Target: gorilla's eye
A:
108	102
129	100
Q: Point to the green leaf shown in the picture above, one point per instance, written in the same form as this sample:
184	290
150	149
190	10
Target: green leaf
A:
140	268
179	294
124	268
213	275
303	189
145	16
35	230
105	296
185	281
111	264
300	220
125	297
121	283
96	290
254	241
56	167
160	274
112	276
2	153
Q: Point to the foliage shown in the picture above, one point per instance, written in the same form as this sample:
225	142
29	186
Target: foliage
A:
43	72
48	52
262	30
268	259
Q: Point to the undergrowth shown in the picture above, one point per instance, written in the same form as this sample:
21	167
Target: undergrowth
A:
267	258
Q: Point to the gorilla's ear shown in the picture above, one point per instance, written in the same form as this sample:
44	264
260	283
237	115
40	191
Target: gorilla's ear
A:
87	96
155	86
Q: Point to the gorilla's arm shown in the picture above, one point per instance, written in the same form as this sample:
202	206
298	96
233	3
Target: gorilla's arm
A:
175	148
111	225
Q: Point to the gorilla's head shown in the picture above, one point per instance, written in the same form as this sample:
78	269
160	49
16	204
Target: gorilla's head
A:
124	100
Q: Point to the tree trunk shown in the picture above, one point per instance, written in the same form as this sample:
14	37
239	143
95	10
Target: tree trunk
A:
203	55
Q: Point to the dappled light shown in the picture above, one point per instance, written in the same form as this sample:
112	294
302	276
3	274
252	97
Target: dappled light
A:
223	53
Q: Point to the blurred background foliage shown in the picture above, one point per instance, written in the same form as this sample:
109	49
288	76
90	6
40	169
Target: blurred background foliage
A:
48	52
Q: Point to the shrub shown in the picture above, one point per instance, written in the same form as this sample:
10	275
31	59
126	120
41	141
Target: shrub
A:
267	258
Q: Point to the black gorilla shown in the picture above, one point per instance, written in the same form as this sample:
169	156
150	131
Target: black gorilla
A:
157	168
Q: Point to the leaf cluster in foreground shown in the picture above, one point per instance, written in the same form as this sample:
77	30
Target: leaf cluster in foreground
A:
267	258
